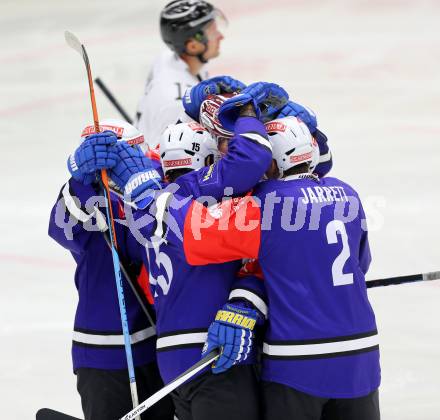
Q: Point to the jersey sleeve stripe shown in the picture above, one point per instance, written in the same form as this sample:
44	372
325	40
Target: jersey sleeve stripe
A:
252	298
178	340
321	349
80	337
74	208
325	157
258	138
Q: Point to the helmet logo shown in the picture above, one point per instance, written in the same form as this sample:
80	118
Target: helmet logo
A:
196	126
276	127
90	129
136	140
177	162
301	158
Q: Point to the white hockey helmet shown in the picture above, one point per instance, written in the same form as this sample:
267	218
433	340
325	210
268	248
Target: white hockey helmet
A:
124	131
186	146
292	143
208	116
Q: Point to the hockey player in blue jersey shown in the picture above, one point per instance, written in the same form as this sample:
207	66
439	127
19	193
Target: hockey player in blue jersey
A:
320	355
77	223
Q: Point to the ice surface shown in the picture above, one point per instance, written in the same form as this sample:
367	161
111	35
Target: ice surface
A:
370	69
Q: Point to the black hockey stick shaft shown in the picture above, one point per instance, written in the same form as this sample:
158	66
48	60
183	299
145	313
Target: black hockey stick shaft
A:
48	414
113	100
145	305
171	386
433	275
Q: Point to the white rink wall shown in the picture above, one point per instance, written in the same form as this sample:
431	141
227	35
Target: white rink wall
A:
370	70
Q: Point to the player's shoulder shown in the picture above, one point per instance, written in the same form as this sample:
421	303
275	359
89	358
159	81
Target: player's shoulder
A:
163	60
330	181
267	186
169	66
284	185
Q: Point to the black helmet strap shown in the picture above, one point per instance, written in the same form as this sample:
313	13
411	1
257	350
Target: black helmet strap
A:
200	37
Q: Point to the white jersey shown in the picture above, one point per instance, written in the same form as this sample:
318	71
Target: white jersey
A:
161	103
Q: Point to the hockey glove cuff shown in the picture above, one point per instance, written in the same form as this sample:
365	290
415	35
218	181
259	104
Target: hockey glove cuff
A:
135	175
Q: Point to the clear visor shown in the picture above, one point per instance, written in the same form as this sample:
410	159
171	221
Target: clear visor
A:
216	15
216	26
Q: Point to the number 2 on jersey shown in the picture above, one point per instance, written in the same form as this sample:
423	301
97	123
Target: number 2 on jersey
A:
339	278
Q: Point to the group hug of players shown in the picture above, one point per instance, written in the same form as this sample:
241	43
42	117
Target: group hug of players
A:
242	243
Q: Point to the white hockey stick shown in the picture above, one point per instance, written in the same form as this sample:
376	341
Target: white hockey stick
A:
201	364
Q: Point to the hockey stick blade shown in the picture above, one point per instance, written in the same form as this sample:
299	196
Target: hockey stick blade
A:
73	42
48	414
196	368
434	275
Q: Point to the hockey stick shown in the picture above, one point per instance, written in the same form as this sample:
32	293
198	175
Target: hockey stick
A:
74	43
146	307
113	100
48	414
189	373
434	275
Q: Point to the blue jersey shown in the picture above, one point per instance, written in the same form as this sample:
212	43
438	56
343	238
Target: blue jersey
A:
310	238
186	297
98	341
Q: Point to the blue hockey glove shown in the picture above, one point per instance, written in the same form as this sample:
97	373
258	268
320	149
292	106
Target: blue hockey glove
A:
93	154
134	174
267	99
292	109
194	96
232	332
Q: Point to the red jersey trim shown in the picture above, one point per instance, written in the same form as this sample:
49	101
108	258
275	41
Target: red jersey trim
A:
144	282
228	231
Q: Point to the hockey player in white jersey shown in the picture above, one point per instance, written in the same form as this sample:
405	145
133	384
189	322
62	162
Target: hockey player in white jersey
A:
190	30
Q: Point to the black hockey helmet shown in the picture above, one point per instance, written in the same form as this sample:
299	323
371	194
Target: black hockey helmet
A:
181	20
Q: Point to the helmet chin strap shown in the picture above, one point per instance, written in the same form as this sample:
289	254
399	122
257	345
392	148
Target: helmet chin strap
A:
203	40
200	56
